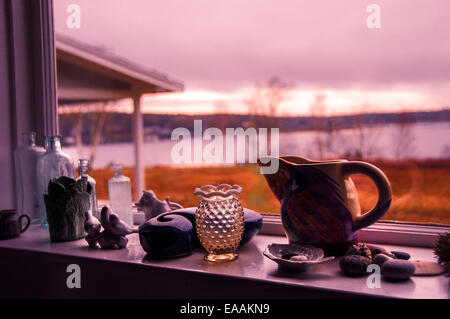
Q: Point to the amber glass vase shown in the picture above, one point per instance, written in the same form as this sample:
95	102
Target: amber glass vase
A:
219	221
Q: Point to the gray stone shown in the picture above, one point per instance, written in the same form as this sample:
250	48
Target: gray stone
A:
379	250
397	269
380	259
401	255
354	265
360	249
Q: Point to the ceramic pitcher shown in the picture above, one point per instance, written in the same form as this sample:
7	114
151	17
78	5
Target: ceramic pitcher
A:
11	224
319	202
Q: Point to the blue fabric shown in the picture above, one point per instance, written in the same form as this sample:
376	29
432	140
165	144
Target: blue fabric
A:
173	233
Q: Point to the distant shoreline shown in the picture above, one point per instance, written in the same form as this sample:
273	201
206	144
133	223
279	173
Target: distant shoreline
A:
428	140
118	126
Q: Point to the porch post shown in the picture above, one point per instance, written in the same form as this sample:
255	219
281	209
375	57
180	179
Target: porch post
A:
138	137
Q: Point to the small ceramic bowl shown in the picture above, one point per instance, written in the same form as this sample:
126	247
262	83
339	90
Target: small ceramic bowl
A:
312	255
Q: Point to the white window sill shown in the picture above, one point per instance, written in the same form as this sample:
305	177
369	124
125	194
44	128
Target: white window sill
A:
386	233
127	273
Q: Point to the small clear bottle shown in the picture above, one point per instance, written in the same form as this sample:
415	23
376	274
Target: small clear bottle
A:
25	159
119	187
53	163
83	171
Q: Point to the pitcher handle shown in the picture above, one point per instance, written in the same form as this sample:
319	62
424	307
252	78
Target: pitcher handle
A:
384	192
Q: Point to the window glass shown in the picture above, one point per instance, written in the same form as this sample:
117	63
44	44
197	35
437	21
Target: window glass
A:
346	81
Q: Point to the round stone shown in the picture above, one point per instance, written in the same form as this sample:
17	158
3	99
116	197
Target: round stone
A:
379	250
354	265
360	249
380	259
397	269
401	255
375	250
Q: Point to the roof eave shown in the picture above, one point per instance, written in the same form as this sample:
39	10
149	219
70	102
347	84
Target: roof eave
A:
118	65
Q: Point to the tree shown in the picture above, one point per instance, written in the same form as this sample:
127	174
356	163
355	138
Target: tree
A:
97	122
327	131
263	105
221	118
403	136
97	117
318	111
366	135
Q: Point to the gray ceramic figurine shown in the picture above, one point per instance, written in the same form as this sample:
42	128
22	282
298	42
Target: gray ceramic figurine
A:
114	230
152	206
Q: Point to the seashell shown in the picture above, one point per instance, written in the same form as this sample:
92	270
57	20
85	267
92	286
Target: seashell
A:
311	255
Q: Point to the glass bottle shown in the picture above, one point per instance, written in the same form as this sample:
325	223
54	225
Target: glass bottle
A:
83	171
53	163
25	159
119	187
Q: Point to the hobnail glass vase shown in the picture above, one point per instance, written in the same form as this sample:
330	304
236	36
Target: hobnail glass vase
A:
219	221
25	159
119	188
83	171
53	163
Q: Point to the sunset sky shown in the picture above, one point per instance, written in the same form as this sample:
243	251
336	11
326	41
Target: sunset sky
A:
222	49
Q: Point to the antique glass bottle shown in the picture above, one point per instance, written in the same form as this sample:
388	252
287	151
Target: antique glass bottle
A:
53	163
25	159
219	221
83	171
119	187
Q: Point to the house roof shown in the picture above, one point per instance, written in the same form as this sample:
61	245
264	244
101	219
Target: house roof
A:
88	73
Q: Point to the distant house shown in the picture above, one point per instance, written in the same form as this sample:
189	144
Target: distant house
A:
87	74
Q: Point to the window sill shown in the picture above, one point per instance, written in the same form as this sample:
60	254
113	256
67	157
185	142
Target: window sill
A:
386	233
127	273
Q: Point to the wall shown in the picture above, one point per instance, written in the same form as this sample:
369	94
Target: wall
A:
27	81
7	138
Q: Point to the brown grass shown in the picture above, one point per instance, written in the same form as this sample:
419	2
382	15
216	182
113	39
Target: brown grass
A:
421	193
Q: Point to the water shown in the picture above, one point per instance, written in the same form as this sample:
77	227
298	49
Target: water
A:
425	140
428	140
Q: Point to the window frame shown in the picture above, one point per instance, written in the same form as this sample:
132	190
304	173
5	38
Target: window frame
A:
383	232
33	67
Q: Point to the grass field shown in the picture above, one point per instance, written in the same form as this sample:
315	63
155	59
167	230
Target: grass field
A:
421	190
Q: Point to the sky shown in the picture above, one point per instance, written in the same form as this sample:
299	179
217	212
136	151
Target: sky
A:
222	50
